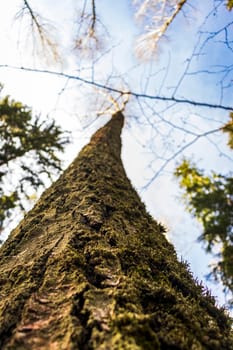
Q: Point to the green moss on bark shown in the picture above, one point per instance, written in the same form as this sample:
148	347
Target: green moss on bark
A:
88	268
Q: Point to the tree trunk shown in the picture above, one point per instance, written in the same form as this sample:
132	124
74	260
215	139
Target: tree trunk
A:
88	268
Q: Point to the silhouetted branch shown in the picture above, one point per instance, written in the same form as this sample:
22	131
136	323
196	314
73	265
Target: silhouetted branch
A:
176	154
122	92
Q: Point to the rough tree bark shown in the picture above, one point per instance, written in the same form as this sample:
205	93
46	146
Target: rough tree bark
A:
88	268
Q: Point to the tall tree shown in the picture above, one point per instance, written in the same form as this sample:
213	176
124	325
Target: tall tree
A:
155	90
88	268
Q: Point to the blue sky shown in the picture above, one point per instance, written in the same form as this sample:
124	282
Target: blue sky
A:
148	139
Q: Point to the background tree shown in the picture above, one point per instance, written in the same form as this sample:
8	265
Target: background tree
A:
28	155
210	200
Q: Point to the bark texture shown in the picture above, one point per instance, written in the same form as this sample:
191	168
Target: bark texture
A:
88	268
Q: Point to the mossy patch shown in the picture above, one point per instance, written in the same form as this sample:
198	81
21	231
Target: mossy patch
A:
88	268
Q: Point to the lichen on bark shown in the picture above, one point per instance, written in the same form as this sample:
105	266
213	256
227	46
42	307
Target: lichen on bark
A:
88	268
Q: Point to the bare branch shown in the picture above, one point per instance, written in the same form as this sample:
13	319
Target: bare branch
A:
176	154
91	32
93	16
40	31
122	92
160	15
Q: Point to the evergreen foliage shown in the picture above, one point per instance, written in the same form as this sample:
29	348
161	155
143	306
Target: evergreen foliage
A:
230	4
28	149
228	128
210	200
